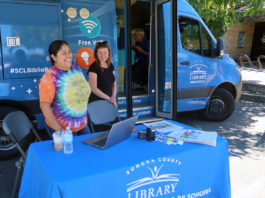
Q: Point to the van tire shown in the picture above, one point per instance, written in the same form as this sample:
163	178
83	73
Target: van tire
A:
220	106
7	147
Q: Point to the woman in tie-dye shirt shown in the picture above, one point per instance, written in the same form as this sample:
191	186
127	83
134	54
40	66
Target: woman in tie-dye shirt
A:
64	92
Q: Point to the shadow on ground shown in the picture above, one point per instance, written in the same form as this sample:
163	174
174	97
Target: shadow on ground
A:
243	130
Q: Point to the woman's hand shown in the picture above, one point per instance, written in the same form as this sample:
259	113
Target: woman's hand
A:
49	116
113	101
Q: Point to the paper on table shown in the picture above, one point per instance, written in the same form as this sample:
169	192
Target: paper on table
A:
168	140
195	136
163	126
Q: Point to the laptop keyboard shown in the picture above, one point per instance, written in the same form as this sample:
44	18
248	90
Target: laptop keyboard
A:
101	142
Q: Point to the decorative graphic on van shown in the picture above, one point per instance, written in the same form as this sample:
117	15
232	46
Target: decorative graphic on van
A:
29	87
26	70
85	57
90	27
84	13
158	178
198	73
71	12
13	41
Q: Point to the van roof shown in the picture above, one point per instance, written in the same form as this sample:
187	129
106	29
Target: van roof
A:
185	7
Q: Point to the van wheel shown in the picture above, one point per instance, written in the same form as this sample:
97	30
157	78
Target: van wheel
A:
220	106
7	147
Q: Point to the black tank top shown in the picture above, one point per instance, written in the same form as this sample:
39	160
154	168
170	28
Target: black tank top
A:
105	80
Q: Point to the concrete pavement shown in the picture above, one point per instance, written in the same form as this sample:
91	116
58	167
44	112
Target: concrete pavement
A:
243	130
253	75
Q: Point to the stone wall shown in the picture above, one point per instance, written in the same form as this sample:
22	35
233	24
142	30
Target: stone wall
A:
231	37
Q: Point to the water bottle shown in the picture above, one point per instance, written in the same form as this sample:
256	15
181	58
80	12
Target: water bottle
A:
68	141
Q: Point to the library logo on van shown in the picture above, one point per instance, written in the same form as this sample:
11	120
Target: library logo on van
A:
198	73
90	27
153	178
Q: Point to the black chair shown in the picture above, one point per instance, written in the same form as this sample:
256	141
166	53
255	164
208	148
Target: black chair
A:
101	112
17	126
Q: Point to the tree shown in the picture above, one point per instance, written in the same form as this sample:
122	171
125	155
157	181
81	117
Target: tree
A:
220	14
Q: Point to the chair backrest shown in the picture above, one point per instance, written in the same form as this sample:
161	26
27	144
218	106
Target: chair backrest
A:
17	124
101	112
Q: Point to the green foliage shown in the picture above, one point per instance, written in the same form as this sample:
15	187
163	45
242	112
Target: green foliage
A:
220	14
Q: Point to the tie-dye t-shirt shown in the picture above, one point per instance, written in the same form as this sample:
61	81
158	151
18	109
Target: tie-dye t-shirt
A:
67	92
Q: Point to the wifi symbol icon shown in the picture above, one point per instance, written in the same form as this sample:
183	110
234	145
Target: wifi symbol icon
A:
90	27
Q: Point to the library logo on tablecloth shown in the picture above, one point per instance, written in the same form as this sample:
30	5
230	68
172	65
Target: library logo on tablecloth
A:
153	178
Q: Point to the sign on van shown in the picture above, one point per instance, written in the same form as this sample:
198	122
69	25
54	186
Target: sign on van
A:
13	41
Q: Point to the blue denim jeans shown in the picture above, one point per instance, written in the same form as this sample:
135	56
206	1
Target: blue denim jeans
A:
83	131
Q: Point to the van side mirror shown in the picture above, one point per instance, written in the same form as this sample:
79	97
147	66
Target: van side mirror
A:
219	47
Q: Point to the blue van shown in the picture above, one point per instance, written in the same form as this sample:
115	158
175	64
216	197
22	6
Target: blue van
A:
207	79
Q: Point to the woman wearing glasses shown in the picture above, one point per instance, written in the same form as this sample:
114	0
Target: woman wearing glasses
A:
102	75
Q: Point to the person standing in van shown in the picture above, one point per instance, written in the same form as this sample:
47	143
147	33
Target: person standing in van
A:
102	75
64	92
140	67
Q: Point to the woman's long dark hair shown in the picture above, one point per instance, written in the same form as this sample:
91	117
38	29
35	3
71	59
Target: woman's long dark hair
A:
99	45
55	46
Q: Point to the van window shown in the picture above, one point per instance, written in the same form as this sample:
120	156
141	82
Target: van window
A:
190	34
192	40
206	43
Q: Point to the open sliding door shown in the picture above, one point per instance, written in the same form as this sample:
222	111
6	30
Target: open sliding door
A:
165	51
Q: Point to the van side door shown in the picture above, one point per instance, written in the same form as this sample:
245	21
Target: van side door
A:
196	65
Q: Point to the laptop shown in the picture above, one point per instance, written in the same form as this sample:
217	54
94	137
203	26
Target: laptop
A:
119	131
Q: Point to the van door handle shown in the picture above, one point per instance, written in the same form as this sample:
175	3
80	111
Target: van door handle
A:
185	63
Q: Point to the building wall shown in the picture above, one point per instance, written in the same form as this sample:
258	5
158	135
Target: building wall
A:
231	39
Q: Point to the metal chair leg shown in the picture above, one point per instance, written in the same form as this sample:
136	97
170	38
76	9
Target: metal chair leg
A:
90	125
19	165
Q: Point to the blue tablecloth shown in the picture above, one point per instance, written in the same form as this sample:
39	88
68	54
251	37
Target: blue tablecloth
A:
134	169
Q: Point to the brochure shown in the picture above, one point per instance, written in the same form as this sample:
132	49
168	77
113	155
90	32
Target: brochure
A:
195	136
163	126
168	140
